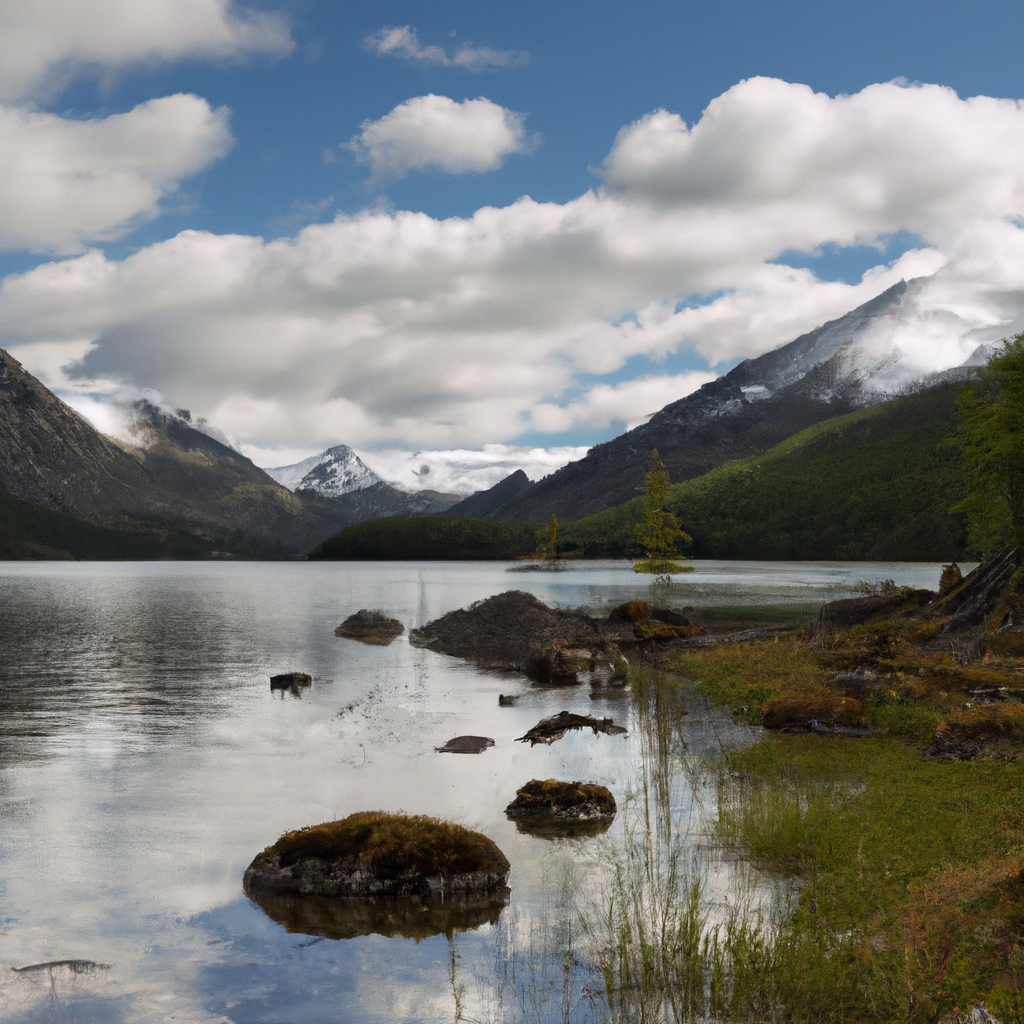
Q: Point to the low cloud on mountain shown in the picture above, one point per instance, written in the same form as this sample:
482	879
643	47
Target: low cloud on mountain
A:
396	329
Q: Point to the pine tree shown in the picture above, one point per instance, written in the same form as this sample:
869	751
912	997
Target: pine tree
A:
658	531
991	438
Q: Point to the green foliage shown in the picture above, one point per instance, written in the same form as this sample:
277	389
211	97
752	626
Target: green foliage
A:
427	538
990	436
874	485
658	531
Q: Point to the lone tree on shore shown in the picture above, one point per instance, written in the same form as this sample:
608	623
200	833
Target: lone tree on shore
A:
990	436
658	531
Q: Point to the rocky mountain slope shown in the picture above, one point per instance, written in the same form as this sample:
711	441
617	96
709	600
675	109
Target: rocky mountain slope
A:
477	505
841	366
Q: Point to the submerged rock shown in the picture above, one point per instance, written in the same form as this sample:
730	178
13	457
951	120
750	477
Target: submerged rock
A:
370	627
375	853
466	745
290	680
547	730
562	801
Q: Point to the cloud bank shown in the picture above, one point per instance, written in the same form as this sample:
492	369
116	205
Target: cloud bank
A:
436	132
403	41
388	329
44	44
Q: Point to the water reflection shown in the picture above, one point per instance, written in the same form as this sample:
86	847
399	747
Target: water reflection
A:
345	917
144	760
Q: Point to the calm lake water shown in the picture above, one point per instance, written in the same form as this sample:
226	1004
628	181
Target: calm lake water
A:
144	761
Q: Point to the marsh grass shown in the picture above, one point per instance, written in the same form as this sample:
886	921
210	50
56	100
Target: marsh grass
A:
786	879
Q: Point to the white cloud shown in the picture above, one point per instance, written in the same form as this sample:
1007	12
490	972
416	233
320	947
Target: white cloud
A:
402	41
463	471
46	43
397	329
436	132
628	403
66	182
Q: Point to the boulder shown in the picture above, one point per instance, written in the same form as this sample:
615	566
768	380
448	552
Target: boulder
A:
669	617
564	801
466	745
631	611
515	631
376	853
290	680
370	628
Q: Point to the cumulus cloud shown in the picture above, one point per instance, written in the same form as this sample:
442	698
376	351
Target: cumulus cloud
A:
398	329
436	132
403	41
46	43
65	182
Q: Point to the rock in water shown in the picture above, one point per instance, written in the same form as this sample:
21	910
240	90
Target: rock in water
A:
516	631
374	854
466	745
547	730
370	627
566	801
290	680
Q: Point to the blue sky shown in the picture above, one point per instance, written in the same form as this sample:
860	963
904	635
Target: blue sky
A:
567	79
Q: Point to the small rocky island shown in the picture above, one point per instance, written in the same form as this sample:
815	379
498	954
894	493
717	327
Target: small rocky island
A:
370	627
562	801
376	853
516	631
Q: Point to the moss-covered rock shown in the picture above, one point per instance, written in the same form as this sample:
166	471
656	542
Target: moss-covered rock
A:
566	801
370	627
376	853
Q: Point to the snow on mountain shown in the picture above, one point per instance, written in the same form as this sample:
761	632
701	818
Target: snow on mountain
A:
897	341
336	471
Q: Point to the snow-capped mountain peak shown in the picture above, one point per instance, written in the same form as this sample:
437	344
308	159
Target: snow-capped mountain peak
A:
335	471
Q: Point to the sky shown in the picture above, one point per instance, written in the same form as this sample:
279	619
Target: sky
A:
487	235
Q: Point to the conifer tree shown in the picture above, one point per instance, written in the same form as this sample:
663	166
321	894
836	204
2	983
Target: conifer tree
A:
658	531
990	436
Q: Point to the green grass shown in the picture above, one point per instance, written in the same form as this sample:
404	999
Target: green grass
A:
426	538
910	870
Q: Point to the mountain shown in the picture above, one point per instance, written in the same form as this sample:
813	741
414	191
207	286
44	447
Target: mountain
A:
844	365
171	477
333	472
478	504
875	484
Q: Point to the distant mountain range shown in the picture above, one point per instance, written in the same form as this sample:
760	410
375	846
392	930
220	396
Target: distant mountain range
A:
176	479
172	478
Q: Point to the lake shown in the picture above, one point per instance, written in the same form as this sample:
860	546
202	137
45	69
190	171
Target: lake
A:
144	761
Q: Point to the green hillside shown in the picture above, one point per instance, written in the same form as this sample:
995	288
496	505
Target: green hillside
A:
876	484
30	531
429	538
